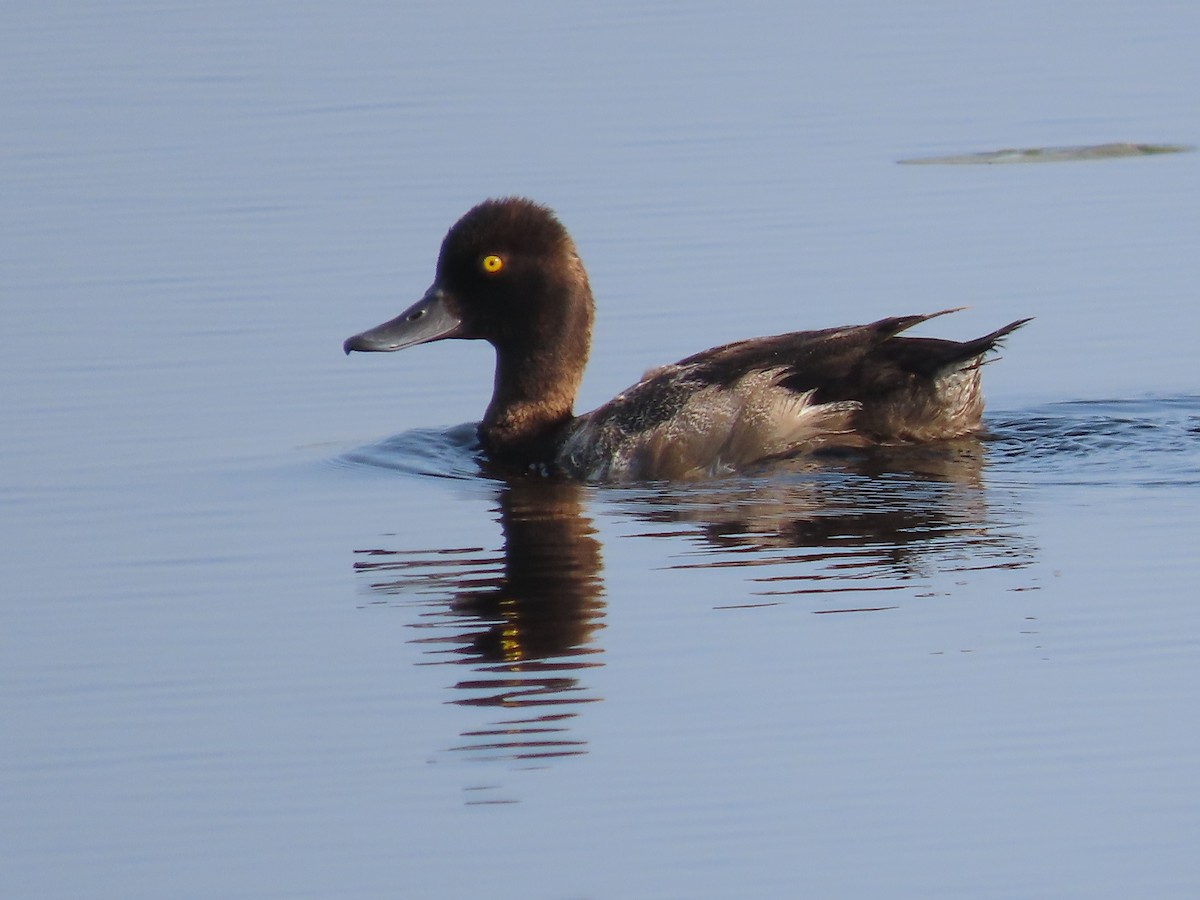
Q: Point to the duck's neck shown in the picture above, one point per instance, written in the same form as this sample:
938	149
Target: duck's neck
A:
537	377
533	400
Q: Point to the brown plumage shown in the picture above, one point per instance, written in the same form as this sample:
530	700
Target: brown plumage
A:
508	273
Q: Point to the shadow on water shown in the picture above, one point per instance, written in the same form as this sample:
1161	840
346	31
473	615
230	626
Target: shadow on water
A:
857	533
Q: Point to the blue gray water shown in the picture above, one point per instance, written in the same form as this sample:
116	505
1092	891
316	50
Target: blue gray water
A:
270	630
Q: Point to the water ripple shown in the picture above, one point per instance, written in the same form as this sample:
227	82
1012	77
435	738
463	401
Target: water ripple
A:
1152	441
436	452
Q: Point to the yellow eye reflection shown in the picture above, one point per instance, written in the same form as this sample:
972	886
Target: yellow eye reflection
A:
492	264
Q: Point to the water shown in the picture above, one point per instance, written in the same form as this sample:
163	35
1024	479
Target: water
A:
271	627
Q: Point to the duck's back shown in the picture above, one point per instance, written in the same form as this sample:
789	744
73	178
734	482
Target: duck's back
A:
740	403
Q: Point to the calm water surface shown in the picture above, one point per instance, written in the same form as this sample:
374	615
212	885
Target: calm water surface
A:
272	629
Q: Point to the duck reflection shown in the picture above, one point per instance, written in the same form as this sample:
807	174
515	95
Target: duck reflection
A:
823	532
879	520
522	619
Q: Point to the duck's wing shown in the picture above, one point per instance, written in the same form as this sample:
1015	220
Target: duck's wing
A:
855	362
910	389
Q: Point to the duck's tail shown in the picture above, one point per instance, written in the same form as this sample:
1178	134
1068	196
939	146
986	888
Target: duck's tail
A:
931	356
976	349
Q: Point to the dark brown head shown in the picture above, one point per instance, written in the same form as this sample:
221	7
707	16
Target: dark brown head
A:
508	274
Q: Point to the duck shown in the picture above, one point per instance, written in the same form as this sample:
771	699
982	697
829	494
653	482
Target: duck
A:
509	273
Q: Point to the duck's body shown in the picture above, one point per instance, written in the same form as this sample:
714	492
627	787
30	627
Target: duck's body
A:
508	273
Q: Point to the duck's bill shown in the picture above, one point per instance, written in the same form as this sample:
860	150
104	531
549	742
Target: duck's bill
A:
429	319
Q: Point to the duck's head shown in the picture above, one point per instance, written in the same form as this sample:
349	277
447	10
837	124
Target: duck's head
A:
508	273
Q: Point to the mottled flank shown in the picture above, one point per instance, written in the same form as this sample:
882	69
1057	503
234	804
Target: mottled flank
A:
1048	154
672	426
508	273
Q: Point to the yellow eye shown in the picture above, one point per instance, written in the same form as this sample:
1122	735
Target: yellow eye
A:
492	264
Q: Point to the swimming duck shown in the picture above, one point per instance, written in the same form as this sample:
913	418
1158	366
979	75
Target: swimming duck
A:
509	274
